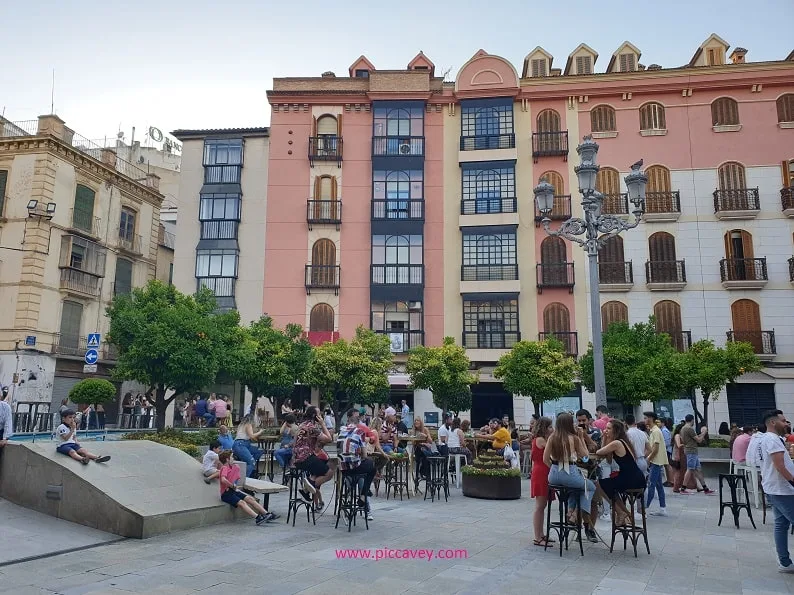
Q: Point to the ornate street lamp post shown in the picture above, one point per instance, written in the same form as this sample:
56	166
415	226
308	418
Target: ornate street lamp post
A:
596	228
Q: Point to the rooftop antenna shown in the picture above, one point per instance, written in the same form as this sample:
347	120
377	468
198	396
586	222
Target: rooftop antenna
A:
52	93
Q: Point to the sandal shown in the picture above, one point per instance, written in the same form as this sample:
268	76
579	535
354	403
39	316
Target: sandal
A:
543	541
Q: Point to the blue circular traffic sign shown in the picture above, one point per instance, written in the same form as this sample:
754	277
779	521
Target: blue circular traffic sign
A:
91	356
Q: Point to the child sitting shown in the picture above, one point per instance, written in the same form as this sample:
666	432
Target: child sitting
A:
230	475
67	433
210	463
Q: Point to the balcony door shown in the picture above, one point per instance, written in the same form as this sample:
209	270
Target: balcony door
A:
611	262
328	132
667	314
612	312
548	124
490	327
608	184
560	204
746	318
71	319
663	265
324	263
321	319
659	195
325	206
83	213
488	192
739	255
553	258
398	193
733	183
557	322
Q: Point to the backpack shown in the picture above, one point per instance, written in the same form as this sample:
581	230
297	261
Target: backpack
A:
350	447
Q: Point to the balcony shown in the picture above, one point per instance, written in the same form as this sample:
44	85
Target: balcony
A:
79	282
324	212
317	338
84	222
397	274
165	238
324	277
488	141
665	275
791	269
398	210
681	340
490	339
219	230
484	206
402	341
561	210
787	201
71	345
763	342
743	273
222	174
489	272
615	276
325	148
615	204
662	206
742	203
555	276
569	339
130	243
221	287
549	144
398	146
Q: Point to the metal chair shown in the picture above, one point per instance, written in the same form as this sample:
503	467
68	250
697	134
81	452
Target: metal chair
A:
352	501
738	487
563	527
634	501
295	478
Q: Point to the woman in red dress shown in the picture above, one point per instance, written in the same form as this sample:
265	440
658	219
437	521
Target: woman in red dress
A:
539	483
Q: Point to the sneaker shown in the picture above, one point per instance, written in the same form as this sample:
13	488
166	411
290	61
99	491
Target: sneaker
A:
271	516
591	535
370	517
659	512
85	461
708	492
261	519
684	492
785	569
308	486
306	496
207	480
605	516
102	459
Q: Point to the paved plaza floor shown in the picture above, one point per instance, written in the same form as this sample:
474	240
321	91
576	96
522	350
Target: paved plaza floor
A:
689	554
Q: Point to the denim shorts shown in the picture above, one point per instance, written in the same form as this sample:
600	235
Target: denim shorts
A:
692	461
65	448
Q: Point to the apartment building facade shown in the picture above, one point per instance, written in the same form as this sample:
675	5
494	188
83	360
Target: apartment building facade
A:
439	234
78	225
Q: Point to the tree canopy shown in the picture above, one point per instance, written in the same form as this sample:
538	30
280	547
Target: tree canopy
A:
170	341
639	364
92	391
351	372
444	371
539	370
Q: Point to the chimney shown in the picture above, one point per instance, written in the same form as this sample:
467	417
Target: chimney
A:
153	181
328	75
737	55
52	125
108	157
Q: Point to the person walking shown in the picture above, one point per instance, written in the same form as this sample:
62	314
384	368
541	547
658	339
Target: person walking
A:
691	440
657	460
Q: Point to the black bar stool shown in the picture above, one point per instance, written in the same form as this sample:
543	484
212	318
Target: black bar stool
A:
398	476
438	478
634	501
563	527
738	486
295	479
352	501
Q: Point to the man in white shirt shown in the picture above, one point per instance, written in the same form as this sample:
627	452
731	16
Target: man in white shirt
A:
639	442
405	412
753	456
777	479
6	418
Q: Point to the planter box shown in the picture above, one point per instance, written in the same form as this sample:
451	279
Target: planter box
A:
492	488
710	455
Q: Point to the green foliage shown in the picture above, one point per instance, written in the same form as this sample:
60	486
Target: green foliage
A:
539	370
445	372
184	441
639	364
169	341
351	372
471	470
92	391
718	443
273	360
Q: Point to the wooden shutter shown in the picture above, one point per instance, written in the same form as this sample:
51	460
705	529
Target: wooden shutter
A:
314	126
661	247
608	181
784	169
602	119
539	67
334	188
317	188
3	182
785	108
555	179
668	317
327	126
612	312
339	125
84	200
747	244
746	318
724	112
731	176
627	62
612	251
658	178
548	121
324	253
71	318
321	318
583	65
652	117
556	318
552	251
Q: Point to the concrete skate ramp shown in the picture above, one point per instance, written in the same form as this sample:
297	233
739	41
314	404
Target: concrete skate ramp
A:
146	489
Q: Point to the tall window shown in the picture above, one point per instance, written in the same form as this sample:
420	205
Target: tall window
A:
122	284
321	318
400	122
652	117
397	259
71	319
489	190
739	265
611	262
608	184
491	324
487	124
746	316
731	176
548	125
612	312
401	321
323	272
83	212
660	198
489	249
219	214
668	320
217	270
785	108
724	112
661	247
396	194
602	119
127	224
3	182
223	159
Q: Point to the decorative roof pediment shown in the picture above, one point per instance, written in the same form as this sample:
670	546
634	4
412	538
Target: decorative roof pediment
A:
536	54
485	71
361	64
625	48
581	49
422	62
712	41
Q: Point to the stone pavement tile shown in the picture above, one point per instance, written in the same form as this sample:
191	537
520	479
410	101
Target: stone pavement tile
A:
448	586
565	585
777	583
67	582
717	561
388	584
199	581
463	573
27	590
717	585
129	566
707	572
232	589
608	585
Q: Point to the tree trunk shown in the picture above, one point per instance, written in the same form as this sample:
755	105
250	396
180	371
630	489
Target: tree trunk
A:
160	405
705	410
537	408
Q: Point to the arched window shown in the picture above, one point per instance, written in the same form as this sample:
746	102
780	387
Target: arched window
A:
321	318
611	262
327	125
746	318
324	263
553	251
612	312
561	208
785	108
652	117
661	247
325	206
556	318
486	122
725	112
555	179
398	123
659	197
608	184
662	266
602	119
667	314
731	176
739	264
548	125
553	263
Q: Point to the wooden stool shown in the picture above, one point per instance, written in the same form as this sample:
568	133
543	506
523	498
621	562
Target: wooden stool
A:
634	501
563	527
737	485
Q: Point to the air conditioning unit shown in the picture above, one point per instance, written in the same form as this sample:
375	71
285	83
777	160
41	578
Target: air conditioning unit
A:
414	305
405	148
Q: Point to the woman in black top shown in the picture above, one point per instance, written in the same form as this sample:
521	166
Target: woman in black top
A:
617	447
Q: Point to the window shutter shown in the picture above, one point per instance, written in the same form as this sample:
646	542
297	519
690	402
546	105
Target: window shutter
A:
321	318
612	312
608	181
556	318
314	126
746	316
324	253
3	181
747	245
552	251
725	112
71	317
785	108
658	179
728	246
731	176
668	318
661	247
555	179
317	188
334	188
548	121
626	62
339	125
612	251
784	168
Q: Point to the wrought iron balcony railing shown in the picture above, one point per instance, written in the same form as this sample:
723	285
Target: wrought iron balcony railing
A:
79	281
399	210
398	146
763	342
559	212
549	144
743	269
490	339
787	198
397	274
615	204
483	206
615	273
322	276
741	199
663	202
570	339
320	212
556	275
402	341
665	271
325	148
488	141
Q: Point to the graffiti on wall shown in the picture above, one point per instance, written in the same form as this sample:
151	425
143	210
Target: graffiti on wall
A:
36	375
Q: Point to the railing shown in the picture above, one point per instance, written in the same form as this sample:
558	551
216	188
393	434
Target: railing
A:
219	230
490	339
741	199
787	198
402	146
489	272
222	174
550	144
555	275
665	271
402	341
763	342
80	281
222	287
570	339
663	202
681	340
84	221
69	345
488	141
560	211
791	269
482	206
130	242
165	238
397	274
323	211
325	148
615	204
10	129
615	273
743	269
398	209
322	276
